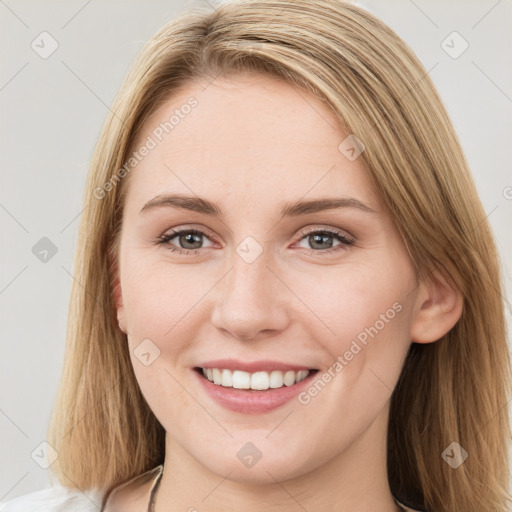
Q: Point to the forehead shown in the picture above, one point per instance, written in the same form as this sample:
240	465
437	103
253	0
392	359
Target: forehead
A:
251	133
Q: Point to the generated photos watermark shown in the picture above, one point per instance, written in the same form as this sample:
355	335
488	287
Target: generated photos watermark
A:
358	344
151	142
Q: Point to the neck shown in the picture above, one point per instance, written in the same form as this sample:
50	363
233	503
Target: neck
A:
353	480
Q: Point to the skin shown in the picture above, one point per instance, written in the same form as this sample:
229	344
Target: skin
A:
252	144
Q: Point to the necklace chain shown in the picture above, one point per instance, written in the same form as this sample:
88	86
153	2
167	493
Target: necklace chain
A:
152	498
151	506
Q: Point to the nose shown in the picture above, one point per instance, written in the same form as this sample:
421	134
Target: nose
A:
251	302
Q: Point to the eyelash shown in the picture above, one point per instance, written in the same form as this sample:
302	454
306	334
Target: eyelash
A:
345	241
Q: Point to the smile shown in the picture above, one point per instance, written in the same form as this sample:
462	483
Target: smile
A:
261	380
252	392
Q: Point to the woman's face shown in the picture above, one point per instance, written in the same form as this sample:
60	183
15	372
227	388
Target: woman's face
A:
250	282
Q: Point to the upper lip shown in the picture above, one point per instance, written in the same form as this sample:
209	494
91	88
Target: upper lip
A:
252	366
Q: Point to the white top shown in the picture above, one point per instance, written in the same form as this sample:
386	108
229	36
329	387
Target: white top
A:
67	499
55	499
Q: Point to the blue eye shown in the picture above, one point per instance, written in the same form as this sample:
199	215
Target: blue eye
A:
188	237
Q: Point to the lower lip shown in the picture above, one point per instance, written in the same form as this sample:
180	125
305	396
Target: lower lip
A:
252	401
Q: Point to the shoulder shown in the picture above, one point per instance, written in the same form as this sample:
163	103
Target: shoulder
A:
55	499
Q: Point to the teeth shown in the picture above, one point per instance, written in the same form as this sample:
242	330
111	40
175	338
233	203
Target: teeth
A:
227	379
217	376
259	380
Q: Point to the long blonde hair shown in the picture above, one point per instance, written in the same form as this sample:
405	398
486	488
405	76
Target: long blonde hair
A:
453	390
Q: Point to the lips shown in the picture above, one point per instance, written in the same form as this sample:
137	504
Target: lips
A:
252	387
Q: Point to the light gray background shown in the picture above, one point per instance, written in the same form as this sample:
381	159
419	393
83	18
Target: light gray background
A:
51	114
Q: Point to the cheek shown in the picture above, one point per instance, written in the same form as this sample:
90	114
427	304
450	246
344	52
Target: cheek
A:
161	297
159	307
356	301
366	315
162	303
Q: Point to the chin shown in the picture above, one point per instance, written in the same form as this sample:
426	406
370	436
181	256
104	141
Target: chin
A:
266	470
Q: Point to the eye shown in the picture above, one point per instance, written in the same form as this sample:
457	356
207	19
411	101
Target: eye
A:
189	239
321	239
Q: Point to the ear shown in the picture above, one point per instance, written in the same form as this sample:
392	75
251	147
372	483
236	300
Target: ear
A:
439	307
118	297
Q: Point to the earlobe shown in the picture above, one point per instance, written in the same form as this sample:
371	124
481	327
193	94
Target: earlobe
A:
119	305
118	298
439	308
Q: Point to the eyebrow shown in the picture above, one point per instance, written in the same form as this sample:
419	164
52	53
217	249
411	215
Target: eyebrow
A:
293	209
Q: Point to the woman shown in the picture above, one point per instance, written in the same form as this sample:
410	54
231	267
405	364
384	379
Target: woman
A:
334	337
